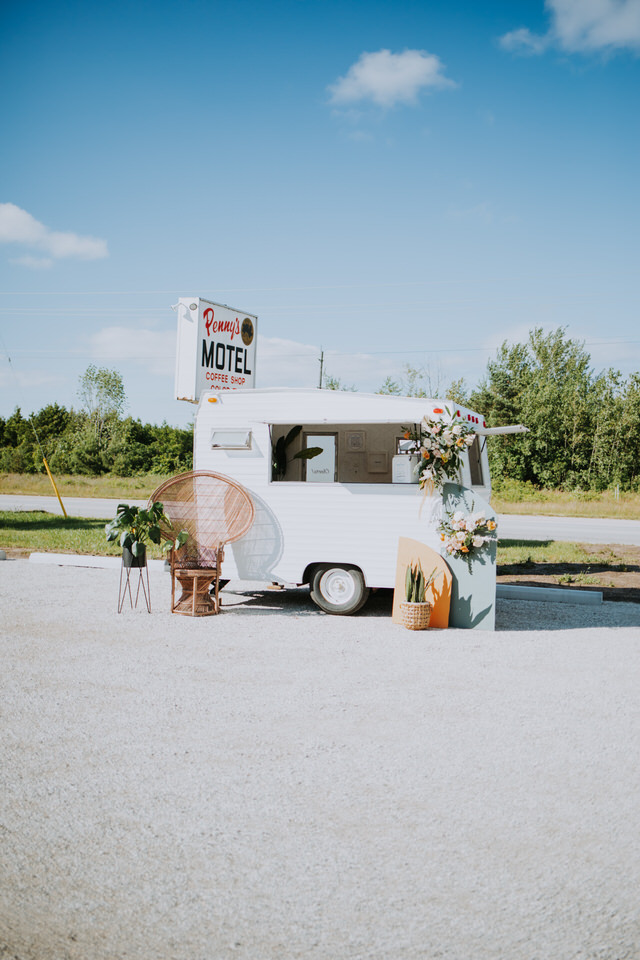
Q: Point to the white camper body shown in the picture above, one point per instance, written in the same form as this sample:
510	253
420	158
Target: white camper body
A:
341	513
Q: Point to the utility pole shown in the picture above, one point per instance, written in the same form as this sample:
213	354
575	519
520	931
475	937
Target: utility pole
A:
321	368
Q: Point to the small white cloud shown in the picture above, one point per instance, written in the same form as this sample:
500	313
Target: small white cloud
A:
286	363
388	78
360	136
523	41
19	227
154	350
582	26
34	263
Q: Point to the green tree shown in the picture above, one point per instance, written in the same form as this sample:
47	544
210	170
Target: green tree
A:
102	394
335	383
547	385
390	387
458	392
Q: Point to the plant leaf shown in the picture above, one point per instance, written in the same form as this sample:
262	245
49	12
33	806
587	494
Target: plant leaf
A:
308	453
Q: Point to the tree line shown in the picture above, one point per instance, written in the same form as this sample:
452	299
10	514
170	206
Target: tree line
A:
95	439
584	427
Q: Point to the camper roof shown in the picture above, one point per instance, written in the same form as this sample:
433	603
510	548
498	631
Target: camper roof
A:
290	404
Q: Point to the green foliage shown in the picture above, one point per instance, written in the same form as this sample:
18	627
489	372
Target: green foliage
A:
92	442
390	387
335	383
458	392
279	458
421	382
134	527
416	584
584	429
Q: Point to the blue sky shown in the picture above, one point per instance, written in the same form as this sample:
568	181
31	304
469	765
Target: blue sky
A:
406	182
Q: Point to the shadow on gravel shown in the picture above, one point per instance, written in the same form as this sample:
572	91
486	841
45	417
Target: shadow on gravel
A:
511	615
297	602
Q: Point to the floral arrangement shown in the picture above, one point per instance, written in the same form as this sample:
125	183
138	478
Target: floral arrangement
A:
441	445
464	534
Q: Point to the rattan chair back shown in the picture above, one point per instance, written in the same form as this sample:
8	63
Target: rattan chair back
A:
212	508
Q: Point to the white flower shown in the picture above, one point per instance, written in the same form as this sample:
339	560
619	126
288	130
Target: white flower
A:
447	436
477	541
478	518
469	440
458	515
457	430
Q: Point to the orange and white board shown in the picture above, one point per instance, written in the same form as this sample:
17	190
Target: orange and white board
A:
438	594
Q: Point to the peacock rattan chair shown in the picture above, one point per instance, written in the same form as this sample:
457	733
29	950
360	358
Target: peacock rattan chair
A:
214	510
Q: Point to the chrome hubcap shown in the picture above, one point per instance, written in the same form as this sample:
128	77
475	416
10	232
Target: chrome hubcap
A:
338	586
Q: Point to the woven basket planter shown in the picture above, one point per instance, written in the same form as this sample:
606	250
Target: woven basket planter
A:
415	616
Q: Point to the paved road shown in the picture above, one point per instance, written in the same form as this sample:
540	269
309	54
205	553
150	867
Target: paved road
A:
512	526
75	506
577	529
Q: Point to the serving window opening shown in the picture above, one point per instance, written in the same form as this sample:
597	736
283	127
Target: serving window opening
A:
337	453
355	453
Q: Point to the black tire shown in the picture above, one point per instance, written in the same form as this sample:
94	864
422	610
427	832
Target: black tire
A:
339	589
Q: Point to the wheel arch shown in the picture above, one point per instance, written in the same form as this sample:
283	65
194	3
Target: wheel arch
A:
312	568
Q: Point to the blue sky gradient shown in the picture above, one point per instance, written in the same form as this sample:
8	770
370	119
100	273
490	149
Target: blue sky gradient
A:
417	207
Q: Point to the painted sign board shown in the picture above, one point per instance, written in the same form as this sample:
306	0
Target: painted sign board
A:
216	348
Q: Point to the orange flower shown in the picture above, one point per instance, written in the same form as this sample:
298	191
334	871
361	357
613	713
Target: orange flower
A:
464	549
407	435
442	536
491	524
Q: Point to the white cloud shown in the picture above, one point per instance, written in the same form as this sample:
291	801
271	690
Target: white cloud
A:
19	227
34	263
154	350
288	363
389	78
523	41
582	26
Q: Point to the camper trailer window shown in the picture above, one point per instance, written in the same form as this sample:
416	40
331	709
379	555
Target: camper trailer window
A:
406	446
231	439
475	463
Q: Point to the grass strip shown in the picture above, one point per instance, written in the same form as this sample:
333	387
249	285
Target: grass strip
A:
35	531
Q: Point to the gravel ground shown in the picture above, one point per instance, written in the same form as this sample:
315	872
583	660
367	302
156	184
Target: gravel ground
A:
275	783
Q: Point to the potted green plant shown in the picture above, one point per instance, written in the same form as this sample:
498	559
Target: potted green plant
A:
134	527
416	609
280	458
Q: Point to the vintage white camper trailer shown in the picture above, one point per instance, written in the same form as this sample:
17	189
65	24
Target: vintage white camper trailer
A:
332	521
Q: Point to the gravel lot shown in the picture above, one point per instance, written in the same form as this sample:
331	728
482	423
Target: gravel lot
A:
275	783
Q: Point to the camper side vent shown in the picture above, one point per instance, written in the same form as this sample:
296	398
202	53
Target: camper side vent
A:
231	439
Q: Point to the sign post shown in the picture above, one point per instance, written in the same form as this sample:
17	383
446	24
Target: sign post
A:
216	348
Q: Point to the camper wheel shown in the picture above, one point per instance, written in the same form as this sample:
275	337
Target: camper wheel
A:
338	589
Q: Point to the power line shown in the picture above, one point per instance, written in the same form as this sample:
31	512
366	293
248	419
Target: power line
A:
216	291
49	354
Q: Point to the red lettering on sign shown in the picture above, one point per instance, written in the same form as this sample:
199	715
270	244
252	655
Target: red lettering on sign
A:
232	327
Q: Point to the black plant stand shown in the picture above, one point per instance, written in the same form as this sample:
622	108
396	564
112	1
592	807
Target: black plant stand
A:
129	565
